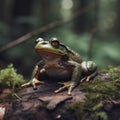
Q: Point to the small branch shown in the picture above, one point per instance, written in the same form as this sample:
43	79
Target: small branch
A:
42	29
19	98
28	36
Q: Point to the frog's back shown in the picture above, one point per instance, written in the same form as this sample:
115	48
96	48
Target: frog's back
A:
74	55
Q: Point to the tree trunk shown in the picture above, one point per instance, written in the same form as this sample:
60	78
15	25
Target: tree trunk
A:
117	21
5	7
80	23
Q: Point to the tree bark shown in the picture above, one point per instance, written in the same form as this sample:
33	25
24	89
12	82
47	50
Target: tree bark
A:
117	21
81	22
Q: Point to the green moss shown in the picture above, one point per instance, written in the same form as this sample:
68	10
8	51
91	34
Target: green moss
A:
9	78
114	73
77	108
97	91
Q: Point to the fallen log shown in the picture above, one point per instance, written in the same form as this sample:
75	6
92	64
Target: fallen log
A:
85	103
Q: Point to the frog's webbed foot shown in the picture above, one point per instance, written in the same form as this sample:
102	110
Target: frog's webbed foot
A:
67	85
33	83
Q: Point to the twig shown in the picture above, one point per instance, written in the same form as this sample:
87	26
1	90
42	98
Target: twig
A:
42	29
19	98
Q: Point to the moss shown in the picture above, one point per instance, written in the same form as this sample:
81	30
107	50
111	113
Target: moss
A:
9	78
97	91
114	73
77	110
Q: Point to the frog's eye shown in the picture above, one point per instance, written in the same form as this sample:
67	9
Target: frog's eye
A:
55	42
39	40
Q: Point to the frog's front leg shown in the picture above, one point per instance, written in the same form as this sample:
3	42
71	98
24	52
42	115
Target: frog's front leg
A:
75	78
38	68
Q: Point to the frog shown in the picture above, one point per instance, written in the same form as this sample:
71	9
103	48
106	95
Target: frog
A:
60	61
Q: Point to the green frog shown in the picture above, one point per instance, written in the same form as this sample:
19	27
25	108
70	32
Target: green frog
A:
59	61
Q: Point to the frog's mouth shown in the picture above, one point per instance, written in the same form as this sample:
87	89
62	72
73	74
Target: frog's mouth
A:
44	51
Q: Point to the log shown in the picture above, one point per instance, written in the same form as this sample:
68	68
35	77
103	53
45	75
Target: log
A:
44	104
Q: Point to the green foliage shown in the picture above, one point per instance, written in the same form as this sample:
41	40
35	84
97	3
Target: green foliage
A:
10	78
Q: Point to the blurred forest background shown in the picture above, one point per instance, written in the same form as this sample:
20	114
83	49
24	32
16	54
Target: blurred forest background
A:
90	27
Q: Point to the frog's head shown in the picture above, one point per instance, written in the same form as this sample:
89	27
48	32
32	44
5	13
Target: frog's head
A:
53	46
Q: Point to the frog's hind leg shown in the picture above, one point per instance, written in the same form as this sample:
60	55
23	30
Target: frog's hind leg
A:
89	69
89	77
